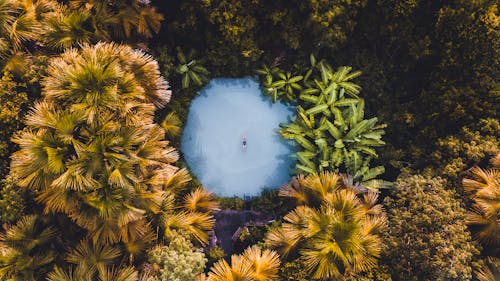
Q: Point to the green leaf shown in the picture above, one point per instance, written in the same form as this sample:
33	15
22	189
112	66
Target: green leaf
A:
295	79
346	102
337	157
185	81
196	78
303	168
312	59
339	144
373	173
305	143
339	119
357	130
317	109
308	98
369	151
278	84
333	130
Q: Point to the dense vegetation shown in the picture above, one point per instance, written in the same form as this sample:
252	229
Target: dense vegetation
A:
397	126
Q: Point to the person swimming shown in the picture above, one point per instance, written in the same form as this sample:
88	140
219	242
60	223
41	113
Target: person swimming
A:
244	143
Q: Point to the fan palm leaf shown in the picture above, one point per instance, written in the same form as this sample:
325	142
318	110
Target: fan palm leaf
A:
484	186
200	200
25	249
67	30
336	234
239	270
490	271
172	125
263	264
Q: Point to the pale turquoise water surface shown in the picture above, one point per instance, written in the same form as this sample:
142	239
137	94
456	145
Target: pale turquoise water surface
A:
220	117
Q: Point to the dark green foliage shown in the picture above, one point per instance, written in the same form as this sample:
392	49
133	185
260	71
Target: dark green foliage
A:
232	203
456	153
427	238
233	34
213	255
12	202
14	103
250	235
432	69
294	271
83	21
380	273
268	202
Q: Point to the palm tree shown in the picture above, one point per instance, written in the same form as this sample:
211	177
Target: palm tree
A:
239	270
25	249
253	265
122	19
172	125
200	200
194	216
484	217
23	22
190	70
490	271
285	85
263	264
93	262
344	143
68	30
92	151
81	273
334	230
331	129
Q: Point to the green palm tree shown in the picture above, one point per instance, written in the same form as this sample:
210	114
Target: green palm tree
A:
331	129
484	217
334	230
343	141
25	249
280	84
191	70
92	150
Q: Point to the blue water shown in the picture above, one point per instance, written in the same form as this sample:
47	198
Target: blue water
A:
226	112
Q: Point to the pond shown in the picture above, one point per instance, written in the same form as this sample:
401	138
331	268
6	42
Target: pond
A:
231	141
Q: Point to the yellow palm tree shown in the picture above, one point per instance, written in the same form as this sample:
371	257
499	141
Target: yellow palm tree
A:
335	230
193	215
201	200
490	271
484	218
253	265
263	264
92	150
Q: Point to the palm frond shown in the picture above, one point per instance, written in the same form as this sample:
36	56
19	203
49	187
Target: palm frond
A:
201	200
